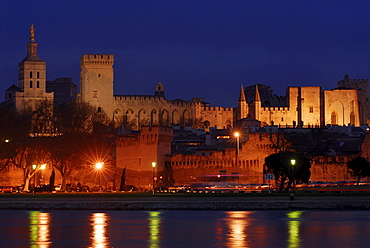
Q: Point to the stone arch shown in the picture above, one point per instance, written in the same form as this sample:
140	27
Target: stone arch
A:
165	118
227	124
118	116
175	117
206	124
352	119
130	118
185	118
334	118
154	117
336	110
142	118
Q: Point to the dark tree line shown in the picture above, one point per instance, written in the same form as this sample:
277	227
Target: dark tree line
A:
64	138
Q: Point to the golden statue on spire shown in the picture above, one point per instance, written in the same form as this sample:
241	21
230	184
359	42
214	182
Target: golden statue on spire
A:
32	33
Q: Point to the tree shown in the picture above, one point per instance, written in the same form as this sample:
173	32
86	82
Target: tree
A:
280	164
80	117
359	167
30	156
65	155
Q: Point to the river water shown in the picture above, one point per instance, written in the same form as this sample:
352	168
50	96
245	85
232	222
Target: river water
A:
77	228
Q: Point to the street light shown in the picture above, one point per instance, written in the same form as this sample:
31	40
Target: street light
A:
99	166
292	161
34	179
237	135
154	164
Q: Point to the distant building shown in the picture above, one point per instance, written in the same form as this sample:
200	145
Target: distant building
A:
307	106
31	91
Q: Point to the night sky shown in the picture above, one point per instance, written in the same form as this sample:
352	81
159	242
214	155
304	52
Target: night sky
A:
196	48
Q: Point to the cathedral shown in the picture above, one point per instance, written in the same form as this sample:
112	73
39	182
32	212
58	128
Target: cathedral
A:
301	107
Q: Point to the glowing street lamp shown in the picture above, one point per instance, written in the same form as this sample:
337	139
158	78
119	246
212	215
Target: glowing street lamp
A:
292	161
34	179
237	135
154	164
99	166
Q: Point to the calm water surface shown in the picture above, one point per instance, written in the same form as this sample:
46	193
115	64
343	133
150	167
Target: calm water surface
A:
184	229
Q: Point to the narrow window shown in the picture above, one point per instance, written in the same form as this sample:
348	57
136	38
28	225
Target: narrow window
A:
352	118
30	84
311	109
333	118
38	74
38	84
30	74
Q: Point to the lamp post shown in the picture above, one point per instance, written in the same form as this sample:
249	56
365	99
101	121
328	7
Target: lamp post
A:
34	179
237	135
292	161
154	164
99	166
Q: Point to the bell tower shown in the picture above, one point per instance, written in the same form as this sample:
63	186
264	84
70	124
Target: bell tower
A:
32	70
31	79
96	83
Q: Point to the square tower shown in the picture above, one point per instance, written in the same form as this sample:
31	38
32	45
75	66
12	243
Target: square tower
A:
96	83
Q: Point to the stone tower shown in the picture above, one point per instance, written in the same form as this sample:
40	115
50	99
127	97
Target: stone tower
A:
96	83
256	105
242	105
31	79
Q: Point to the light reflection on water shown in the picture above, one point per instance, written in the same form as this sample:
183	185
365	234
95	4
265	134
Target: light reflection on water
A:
294	239
154	225
237	224
39	229
99	223
160	229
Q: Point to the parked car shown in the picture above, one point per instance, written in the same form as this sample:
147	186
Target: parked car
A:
81	188
58	187
42	188
97	188
7	189
129	188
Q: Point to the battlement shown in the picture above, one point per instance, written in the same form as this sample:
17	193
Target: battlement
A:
138	98
275	109
97	60
222	109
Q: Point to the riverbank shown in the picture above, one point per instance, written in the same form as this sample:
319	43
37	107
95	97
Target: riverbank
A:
179	202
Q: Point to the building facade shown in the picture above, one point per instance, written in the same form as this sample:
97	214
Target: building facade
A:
307	106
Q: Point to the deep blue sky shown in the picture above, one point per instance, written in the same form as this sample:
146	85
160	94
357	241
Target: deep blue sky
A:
194	47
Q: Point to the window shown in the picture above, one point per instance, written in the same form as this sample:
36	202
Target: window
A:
38	74
30	74
95	94
352	119
38	84
30	84
311	109
282	118
333	118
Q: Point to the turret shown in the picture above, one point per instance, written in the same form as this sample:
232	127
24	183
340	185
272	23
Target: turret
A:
256	105
242	105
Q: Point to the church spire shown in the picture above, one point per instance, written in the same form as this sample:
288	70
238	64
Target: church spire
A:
242	105
32	46
242	95
257	97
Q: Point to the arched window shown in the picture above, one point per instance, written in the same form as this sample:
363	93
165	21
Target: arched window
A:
352	119
334	118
